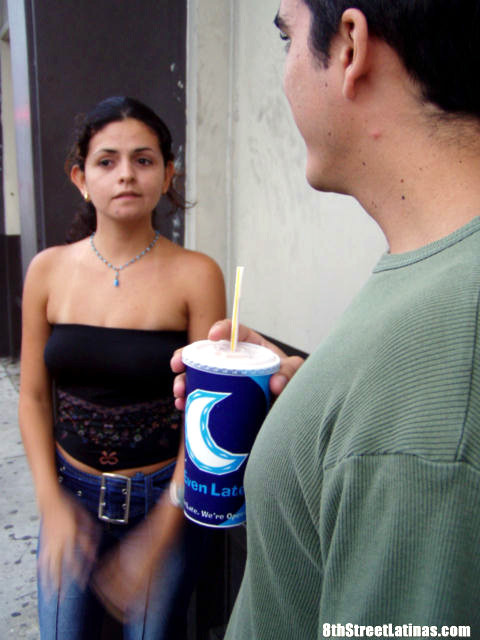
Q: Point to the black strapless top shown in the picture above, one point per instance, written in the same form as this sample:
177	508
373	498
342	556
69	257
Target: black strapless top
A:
114	402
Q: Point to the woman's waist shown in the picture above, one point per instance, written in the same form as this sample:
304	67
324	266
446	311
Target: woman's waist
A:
129	472
115	498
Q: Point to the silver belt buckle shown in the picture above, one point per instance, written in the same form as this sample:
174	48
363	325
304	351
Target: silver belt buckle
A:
126	492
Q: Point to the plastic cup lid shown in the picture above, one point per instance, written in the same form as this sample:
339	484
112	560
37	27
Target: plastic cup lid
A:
216	357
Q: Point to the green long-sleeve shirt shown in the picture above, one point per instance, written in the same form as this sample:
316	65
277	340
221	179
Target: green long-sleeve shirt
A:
363	487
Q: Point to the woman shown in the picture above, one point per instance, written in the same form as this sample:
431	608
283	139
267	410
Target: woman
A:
101	318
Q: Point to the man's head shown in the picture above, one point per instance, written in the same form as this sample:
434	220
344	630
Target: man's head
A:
437	41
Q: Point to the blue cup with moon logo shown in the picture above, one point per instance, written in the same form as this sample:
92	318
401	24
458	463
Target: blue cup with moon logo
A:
227	400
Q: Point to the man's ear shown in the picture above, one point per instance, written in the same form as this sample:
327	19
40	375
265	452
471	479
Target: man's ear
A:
77	176
354	49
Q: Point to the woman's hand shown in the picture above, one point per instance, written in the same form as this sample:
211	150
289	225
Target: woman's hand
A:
221	331
122	579
124	574
68	543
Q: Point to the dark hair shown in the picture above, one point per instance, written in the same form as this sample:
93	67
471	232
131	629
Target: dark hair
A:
437	40
114	109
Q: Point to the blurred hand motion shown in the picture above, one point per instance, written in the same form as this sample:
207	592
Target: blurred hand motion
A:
68	545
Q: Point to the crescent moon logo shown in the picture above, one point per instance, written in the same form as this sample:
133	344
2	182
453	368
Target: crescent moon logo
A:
202	449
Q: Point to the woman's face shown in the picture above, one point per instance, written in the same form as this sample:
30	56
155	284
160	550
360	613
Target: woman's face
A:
125	175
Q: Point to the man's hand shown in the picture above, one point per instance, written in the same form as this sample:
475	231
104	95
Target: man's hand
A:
221	331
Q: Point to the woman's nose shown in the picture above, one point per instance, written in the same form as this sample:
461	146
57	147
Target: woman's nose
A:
126	171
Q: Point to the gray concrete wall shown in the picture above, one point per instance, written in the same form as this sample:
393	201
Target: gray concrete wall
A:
10	270
305	254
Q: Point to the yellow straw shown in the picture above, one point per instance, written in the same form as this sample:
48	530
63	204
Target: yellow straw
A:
236	299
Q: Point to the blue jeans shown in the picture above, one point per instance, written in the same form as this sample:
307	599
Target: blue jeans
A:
74	613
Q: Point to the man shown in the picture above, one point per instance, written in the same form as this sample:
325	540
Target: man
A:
363	487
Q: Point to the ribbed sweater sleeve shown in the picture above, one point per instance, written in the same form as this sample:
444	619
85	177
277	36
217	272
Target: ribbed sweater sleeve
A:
400	540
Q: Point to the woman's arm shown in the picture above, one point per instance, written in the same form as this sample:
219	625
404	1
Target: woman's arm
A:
205	294
35	405
61	518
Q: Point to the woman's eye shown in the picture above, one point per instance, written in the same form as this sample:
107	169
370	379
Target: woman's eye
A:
144	161
105	162
285	39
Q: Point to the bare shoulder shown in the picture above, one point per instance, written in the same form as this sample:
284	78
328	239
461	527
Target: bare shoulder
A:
48	262
42	264
200	261
195	264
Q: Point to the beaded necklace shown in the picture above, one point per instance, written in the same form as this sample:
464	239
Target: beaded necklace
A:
117	270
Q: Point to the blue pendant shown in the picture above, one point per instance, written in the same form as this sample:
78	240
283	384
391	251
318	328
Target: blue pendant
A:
116	282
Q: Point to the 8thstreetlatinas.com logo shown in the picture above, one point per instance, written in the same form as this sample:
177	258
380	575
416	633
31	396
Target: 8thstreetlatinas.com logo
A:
393	631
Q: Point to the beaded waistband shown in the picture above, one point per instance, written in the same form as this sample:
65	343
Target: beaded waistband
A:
131	435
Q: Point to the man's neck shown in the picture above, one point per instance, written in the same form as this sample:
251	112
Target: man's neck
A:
419	188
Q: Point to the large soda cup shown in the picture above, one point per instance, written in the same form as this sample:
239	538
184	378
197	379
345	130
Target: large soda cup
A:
227	399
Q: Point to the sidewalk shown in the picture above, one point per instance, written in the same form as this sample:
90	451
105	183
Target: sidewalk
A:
18	518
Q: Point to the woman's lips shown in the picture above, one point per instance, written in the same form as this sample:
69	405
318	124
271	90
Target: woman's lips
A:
127	194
